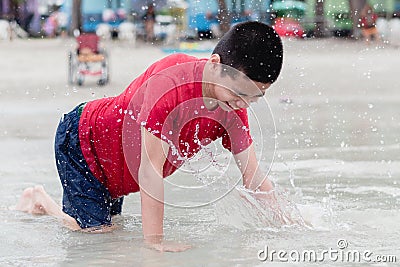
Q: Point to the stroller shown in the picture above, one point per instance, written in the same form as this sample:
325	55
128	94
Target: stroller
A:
88	60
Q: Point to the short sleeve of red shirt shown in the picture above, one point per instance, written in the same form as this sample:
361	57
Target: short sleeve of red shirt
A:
159	100
236	137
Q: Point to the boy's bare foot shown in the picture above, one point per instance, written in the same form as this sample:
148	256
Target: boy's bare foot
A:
35	200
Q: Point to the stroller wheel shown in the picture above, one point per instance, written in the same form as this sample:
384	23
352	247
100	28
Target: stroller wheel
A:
102	82
80	81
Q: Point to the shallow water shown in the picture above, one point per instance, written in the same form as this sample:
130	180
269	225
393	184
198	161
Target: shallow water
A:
337	157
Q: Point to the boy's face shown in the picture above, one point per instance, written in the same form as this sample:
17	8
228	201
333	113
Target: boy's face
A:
234	90
234	96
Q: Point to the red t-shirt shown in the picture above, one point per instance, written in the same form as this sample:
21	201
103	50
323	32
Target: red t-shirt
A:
167	101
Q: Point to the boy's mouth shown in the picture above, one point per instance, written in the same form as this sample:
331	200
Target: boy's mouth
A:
229	105
226	106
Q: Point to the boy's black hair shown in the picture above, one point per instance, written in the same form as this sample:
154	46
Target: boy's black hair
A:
253	48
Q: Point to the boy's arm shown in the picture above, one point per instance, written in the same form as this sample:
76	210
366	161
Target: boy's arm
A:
152	192
253	177
151	185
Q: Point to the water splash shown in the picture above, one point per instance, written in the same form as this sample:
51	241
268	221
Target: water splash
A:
245	209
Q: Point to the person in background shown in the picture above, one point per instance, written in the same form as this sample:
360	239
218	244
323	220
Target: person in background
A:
149	19
368	24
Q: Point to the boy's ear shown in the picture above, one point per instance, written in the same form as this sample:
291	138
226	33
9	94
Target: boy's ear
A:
215	58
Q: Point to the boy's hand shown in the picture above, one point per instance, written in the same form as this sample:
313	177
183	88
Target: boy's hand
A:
161	245
166	246
283	210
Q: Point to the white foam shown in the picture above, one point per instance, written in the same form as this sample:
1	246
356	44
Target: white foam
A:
358	169
392	191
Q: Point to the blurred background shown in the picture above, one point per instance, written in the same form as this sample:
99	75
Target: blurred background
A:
335	108
177	20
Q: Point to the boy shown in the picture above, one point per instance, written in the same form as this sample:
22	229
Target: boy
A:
111	147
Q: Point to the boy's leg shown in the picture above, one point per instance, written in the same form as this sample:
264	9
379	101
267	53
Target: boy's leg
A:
84	198
86	202
35	200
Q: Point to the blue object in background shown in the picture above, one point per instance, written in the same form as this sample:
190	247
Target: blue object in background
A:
202	14
92	12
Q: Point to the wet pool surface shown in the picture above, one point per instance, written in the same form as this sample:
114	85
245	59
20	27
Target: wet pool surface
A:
337	117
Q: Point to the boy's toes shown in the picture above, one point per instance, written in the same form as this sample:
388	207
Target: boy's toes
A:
38	189
28	192
25	200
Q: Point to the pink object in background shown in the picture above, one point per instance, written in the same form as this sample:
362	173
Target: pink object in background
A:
288	27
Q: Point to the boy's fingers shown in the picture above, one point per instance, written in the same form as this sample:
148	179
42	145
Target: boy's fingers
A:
170	247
